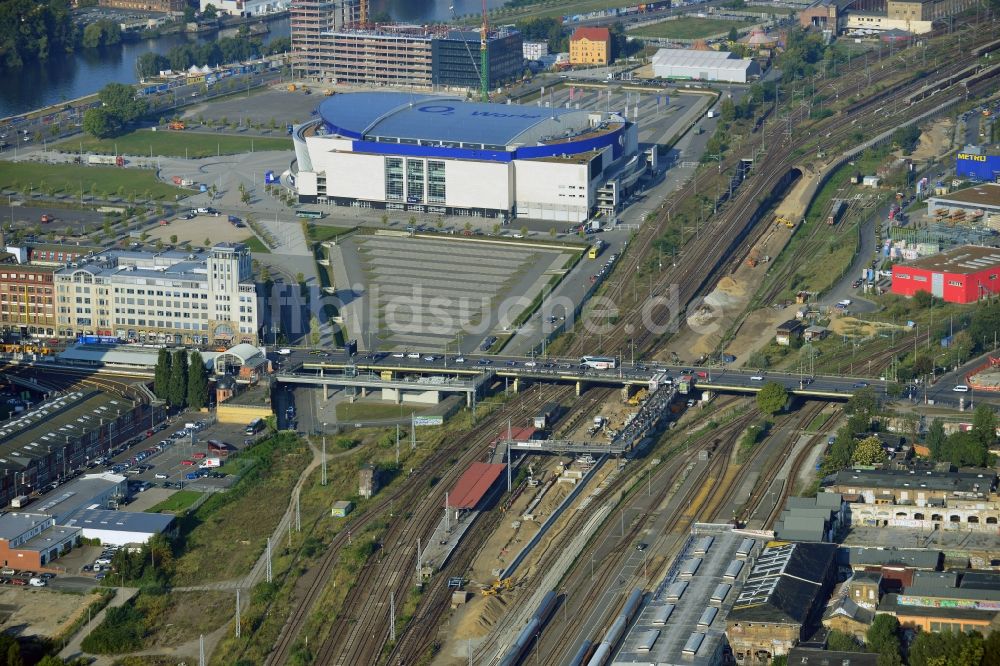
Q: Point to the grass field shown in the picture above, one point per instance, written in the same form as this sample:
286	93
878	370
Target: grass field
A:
177	502
94	180
321	232
173	144
688	27
371	411
256	245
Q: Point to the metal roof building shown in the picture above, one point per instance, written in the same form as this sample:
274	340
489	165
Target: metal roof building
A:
120	527
691	64
474	484
442	154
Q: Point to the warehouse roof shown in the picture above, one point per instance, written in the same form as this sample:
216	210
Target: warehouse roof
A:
784	583
82	493
985	194
16	523
916	558
963	260
696	58
123	354
48	425
809	657
476	481
411	119
890	603
973	481
121	521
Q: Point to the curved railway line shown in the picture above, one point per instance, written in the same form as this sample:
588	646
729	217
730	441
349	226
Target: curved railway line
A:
703	255
424	516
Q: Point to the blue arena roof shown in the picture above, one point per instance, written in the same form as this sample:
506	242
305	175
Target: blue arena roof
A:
413	118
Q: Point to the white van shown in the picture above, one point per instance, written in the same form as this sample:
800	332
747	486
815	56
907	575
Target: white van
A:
961	388
37	582
756	378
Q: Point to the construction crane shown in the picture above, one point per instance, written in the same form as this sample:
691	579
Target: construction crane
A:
363	14
484	58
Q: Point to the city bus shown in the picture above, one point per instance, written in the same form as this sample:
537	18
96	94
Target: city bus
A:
309	214
599	362
595	249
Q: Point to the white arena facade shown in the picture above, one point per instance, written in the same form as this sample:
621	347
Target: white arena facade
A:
443	155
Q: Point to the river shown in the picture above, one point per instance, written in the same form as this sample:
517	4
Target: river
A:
71	75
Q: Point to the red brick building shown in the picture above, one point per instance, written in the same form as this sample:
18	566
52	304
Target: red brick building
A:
27	300
962	275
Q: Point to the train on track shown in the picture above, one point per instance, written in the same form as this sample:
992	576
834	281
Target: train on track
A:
541	616
601	654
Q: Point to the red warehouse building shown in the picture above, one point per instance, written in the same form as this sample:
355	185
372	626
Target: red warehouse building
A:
962	275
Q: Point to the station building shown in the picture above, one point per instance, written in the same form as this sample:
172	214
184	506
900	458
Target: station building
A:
440	154
965	274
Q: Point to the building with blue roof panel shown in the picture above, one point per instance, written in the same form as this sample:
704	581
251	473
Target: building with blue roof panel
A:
441	154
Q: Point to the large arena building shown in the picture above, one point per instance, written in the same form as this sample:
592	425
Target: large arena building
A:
438	154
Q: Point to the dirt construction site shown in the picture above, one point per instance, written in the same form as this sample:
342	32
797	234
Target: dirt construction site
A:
197	229
39	612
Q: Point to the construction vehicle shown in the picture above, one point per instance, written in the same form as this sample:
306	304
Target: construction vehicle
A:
498	586
291	87
752	260
176	125
781	219
328	92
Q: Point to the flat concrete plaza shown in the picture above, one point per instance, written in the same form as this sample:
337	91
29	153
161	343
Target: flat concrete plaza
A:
435	294
276	103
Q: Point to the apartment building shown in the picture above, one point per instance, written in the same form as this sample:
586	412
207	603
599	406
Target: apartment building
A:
590	46
27	300
205	297
311	22
926	10
405	56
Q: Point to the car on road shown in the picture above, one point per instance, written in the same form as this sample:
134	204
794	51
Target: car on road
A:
160	475
430	358
510	363
530	364
187	463
485	361
458	359
413	355
640	546
756	378
961	388
860	385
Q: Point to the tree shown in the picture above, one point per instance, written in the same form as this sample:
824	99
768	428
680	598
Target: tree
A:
984	425
197	386
173	239
161	376
189	14
946	649
150	64
120	101
246	198
936	439
733	34
984	325
964	450
101	124
923	365
14	655
315	332
883	634
838	641
771	398
207	242
210	12
862	402
177	393
991	649
869	451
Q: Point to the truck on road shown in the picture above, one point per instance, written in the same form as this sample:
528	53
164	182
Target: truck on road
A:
210	462
183	182
20	501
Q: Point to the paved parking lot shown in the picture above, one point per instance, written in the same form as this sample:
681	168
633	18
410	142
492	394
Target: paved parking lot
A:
276	103
197	229
425	293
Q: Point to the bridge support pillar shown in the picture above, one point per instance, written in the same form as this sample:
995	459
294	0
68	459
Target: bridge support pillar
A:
395	395
468	399
516	385
579	388
364	391
625	392
326	392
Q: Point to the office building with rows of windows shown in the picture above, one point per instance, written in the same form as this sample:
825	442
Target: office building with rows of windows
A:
201	297
441	154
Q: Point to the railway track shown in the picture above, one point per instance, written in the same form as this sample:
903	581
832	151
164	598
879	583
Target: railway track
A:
552	649
361	628
421	632
407	493
703	255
